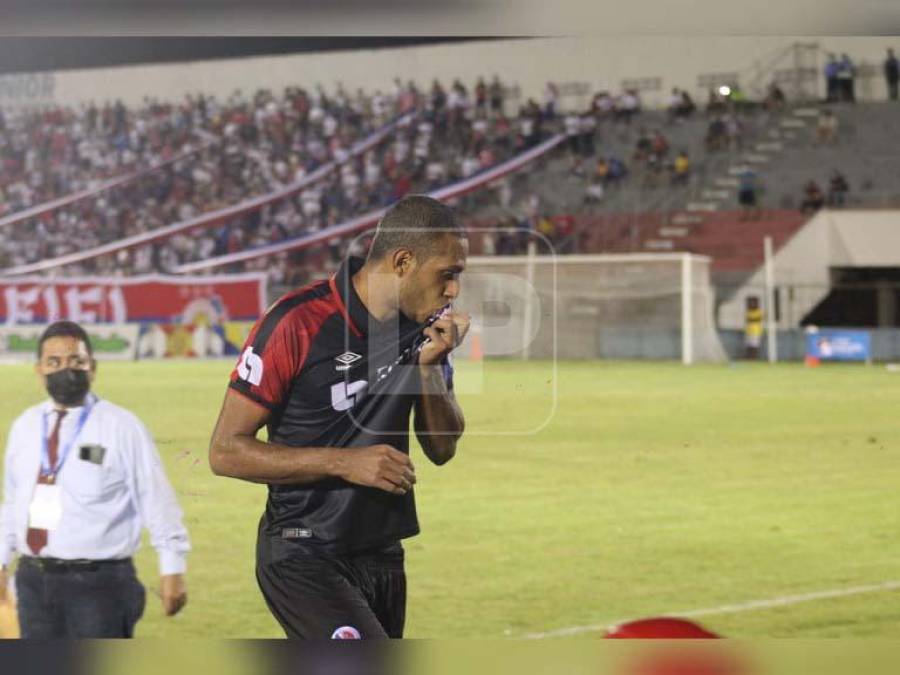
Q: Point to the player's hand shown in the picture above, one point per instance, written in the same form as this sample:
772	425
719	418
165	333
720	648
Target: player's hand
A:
173	592
382	467
445	335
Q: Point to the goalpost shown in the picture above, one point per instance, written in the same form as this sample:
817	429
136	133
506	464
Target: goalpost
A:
620	306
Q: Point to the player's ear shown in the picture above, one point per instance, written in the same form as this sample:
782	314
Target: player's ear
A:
402	262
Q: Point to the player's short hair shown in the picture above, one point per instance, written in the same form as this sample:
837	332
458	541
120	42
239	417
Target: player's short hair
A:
64	329
416	222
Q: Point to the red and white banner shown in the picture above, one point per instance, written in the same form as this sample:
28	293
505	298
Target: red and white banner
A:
178	300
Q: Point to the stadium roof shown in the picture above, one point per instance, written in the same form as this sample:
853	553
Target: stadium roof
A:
30	54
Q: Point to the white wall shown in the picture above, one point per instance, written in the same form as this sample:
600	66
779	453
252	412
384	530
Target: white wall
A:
530	63
829	239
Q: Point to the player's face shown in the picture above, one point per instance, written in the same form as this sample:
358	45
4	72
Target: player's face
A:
434	282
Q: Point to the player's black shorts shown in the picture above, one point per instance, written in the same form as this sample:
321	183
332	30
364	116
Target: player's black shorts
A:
316	597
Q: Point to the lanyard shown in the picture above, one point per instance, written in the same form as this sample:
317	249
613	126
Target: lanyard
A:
51	471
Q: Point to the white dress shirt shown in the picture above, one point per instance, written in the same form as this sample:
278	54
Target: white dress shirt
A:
104	505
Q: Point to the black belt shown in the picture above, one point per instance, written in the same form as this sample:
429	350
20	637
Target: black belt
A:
79	565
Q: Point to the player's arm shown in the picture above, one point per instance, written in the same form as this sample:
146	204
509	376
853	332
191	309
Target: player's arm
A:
236	452
439	422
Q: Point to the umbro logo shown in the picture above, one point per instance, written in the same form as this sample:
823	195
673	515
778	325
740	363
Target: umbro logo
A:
345	360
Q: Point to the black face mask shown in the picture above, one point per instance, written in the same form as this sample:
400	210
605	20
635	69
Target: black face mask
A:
68	387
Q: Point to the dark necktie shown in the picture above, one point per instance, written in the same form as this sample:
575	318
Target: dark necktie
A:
37	537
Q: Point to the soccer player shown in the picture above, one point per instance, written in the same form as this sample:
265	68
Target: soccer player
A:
334	371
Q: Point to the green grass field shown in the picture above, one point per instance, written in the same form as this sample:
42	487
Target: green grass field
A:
653	488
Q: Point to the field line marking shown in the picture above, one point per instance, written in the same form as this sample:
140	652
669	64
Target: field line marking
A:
781	601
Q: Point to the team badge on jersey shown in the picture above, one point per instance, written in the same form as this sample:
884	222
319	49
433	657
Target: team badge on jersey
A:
346	633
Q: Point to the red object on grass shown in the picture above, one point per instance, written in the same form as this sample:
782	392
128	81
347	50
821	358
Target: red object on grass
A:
660	628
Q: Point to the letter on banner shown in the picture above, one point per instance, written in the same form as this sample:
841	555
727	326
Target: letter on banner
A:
20	304
51	304
75	299
117	305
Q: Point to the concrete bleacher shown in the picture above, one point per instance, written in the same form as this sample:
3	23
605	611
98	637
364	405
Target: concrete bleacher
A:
703	217
734	242
559	189
865	151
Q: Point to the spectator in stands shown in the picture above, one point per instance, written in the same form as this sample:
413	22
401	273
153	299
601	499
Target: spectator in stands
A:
594	192
655	158
837	189
524	233
734	131
891	74
643	147
601	173
564	232
659	145
254	145
627	106
603	106
681	168
531	207
748	189
673	103
832	67
551	101
618	171
572	128
687	105
827	127
846	79
676	106
481	96
813	199
528	133
775	100
505	243
547	228
581	143
496	95
716	134
716	103
588	129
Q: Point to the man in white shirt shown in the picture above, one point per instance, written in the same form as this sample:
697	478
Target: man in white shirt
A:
81	478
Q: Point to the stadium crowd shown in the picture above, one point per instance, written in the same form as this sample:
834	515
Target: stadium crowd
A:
218	154
201	155
229	152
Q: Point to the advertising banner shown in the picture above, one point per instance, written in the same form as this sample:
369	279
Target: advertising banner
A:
196	340
111	342
839	345
210	300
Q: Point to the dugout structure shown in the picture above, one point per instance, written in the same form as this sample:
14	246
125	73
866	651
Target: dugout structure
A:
624	306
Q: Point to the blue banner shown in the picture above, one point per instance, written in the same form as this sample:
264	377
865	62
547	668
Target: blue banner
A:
839	345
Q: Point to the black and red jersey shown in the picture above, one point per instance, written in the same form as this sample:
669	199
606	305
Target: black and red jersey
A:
333	376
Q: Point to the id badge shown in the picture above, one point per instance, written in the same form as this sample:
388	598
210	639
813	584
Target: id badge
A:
46	507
